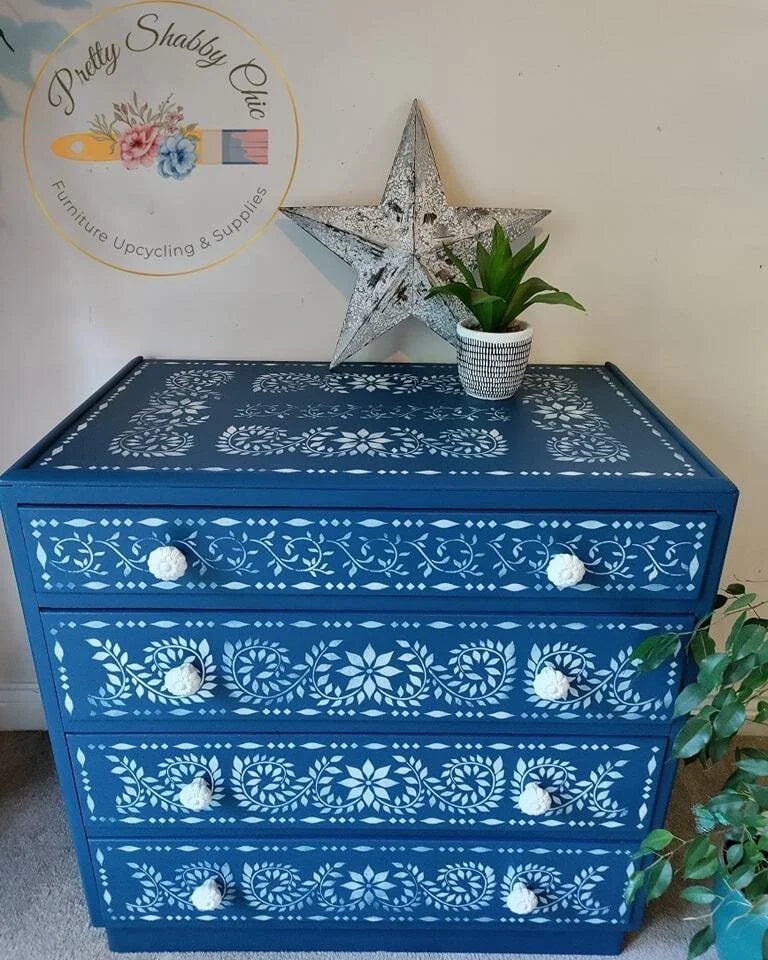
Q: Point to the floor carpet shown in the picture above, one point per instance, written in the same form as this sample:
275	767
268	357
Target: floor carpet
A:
44	917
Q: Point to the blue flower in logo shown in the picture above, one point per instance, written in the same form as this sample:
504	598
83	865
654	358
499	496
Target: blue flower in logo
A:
176	157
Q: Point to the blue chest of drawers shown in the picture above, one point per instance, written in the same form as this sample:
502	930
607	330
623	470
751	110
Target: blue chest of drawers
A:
341	660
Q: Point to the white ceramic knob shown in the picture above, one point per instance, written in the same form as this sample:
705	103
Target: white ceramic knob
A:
167	563
207	896
196	795
565	570
521	900
183	681
534	800
551	684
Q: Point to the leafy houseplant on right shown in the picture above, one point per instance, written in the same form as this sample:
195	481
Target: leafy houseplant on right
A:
729	850
493	343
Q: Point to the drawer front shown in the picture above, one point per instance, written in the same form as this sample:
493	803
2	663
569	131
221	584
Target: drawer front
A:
104	551
320	672
131	784
382	882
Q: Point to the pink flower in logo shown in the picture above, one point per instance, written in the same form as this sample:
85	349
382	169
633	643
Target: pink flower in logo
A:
138	146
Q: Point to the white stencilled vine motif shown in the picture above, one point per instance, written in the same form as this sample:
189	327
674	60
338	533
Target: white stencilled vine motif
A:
391	382
367	784
449	882
375	412
554	894
260	439
125	679
570	791
158	892
162	427
335	888
141	790
610	686
355	668
579	434
442	554
339	681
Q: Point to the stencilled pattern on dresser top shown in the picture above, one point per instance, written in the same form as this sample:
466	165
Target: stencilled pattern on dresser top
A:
381	881
94	550
244	417
133	784
112	667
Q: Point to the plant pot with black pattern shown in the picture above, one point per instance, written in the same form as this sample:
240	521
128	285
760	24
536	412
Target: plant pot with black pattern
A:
493	344
492	365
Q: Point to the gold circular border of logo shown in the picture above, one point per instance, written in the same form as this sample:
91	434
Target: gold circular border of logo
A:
142	3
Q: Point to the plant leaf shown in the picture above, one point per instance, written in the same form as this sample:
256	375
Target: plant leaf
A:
697	895
634	885
561	297
657	840
694	736
689	698
730	719
659	878
701	942
455	289
460	266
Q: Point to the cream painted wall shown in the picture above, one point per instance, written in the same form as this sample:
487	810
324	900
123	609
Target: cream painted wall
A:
641	124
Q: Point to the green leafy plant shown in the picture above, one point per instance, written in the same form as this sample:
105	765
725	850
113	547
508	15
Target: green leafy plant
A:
495	292
731	828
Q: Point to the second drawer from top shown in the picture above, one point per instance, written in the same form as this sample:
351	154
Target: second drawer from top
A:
210	670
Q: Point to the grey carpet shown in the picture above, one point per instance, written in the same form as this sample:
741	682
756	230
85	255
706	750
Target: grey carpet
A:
44	917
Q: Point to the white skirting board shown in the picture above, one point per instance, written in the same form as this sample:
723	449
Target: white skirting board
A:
20	707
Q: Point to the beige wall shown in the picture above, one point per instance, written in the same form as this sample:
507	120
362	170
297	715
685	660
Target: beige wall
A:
641	124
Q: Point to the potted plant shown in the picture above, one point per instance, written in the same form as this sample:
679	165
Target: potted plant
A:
493	343
723	862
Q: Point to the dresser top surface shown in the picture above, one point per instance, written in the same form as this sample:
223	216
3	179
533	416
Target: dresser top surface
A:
265	424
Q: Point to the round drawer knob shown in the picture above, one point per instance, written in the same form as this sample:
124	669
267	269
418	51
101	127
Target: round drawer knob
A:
521	900
167	563
207	896
534	800
196	795
565	570
551	684
183	681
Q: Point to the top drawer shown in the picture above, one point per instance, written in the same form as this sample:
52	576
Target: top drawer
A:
367	552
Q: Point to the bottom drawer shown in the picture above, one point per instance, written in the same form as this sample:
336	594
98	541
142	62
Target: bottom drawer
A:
338	885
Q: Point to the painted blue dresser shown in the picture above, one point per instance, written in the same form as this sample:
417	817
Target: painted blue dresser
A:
312	677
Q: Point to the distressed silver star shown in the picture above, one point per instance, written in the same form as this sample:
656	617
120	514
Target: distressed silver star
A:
397	247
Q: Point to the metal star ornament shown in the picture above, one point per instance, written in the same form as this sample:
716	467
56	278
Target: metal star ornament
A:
397	247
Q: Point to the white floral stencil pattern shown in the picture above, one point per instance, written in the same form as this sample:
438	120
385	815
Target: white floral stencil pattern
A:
278	882
393	382
570	421
358	669
579	434
162	427
393	442
366	784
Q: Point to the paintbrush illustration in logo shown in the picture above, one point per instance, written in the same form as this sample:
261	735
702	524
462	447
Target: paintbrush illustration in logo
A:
138	136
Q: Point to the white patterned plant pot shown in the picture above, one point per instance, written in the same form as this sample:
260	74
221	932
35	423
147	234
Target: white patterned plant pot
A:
492	365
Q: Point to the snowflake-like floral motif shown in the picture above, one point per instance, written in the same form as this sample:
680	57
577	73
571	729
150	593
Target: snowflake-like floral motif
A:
370	382
368	783
368	886
369	674
362	441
